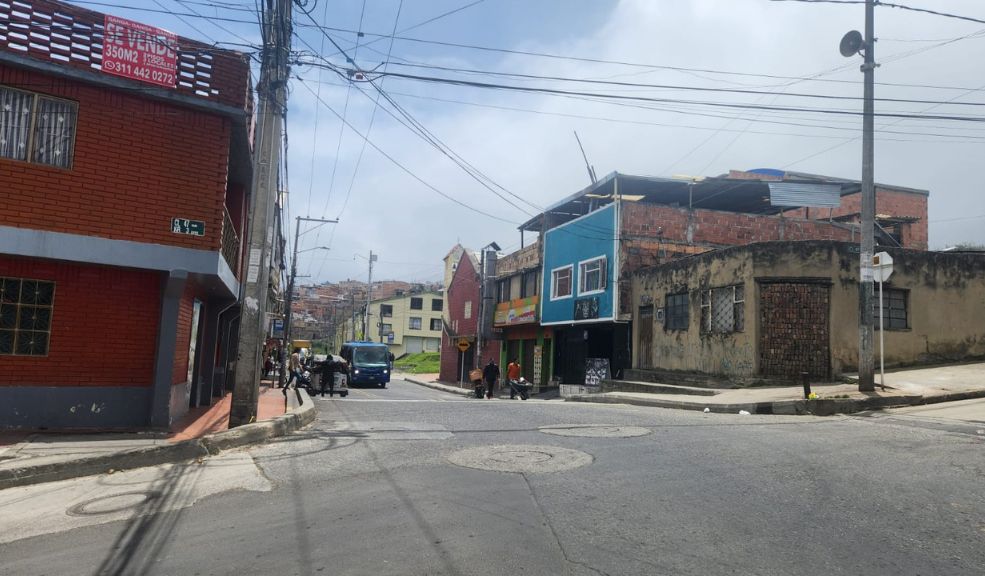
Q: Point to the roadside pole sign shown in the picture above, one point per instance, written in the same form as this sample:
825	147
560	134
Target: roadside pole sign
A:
463	344
882	269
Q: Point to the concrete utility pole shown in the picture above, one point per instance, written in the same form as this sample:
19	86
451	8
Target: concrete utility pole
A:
271	101
866	379
369	295
487	282
289	301
352	307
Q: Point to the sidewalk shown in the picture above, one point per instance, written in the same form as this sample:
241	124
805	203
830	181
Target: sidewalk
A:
32	457
431	381
903	388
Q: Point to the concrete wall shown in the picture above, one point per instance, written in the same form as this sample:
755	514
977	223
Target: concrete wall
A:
945	292
690	350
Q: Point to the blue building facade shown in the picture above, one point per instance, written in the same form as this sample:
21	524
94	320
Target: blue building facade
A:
579	262
579	297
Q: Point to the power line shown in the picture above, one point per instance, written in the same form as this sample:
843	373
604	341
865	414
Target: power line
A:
890	5
620	97
401	166
684	87
646	66
967	138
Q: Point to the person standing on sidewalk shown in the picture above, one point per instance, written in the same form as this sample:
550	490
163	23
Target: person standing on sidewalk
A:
294	366
490	374
513	374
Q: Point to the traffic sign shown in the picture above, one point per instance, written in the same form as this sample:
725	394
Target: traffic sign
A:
882	265
463	344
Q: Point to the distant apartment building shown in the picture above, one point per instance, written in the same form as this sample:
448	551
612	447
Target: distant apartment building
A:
407	323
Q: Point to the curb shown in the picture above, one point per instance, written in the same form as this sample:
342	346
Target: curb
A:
302	413
440	387
821	407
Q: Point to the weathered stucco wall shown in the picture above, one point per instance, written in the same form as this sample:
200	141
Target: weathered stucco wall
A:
732	354
945	303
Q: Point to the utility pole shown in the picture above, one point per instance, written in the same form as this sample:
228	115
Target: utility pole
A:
289	301
271	101
352	308
866	379
369	295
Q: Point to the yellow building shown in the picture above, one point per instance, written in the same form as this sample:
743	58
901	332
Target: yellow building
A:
409	323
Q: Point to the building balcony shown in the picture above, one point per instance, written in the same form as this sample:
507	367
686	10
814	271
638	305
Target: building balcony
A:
230	244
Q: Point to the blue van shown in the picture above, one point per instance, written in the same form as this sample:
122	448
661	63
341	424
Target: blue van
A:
369	362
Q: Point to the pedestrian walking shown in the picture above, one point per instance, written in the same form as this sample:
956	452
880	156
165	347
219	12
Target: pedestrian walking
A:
294	365
490	374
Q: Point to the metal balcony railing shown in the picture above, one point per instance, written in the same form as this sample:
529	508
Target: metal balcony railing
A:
230	243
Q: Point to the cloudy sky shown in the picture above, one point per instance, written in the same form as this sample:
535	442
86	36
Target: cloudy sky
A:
404	199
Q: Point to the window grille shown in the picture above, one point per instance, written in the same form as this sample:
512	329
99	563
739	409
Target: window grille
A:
723	310
676	312
25	316
894	309
36	128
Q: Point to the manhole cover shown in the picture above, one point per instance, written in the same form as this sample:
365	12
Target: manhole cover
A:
112	503
596	431
521	459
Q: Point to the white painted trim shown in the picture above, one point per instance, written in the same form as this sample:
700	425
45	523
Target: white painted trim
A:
573	280
602	257
561	227
574	322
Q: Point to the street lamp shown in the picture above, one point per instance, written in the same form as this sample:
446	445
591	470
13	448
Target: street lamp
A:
310	249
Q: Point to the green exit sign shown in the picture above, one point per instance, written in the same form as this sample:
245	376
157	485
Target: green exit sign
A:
185	226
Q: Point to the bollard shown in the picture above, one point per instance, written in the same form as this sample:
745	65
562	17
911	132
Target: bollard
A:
806	384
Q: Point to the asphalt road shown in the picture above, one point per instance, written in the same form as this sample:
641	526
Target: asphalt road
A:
406	480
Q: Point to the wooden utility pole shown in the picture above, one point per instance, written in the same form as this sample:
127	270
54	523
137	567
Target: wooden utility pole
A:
271	105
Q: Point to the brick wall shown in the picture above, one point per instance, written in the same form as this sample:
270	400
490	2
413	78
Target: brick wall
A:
137	164
889	202
186	309
654	233
794	329
98	337
464	288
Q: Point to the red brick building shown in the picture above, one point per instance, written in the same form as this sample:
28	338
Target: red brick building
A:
461	320
125	200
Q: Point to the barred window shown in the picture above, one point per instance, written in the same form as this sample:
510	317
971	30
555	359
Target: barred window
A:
25	316
436	324
894	309
415	323
723	310
677	312
35	128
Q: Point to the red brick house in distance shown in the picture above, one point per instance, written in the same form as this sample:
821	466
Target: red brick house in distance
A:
461	318
125	191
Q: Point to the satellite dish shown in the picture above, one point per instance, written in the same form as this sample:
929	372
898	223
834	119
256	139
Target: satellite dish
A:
851	43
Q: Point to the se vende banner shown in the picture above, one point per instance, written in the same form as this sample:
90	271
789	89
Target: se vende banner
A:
140	52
